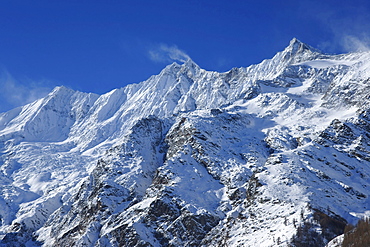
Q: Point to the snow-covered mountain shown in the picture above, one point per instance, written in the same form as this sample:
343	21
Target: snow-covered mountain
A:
274	154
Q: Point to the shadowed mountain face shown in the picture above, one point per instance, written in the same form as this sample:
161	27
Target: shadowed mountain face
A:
274	154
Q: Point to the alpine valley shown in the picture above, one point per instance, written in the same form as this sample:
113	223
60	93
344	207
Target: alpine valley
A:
274	154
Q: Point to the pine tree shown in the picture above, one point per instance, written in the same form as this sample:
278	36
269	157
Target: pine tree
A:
357	236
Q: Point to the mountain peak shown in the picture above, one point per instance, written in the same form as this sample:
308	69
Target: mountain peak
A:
297	51
61	90
295	41
190	63
190	67
296	46
187	66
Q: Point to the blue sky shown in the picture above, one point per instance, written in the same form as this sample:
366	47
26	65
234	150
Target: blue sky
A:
96	46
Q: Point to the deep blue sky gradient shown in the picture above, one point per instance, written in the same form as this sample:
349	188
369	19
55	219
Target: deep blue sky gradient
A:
96	46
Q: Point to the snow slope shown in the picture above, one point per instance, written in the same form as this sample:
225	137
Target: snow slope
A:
274	154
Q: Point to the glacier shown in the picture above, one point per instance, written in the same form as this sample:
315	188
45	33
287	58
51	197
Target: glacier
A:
274	154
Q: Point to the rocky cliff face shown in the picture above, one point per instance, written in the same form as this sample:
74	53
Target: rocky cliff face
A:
275	154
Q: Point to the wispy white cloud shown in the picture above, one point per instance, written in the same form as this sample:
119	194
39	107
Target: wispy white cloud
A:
347	24
166	53
356	43
14	93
